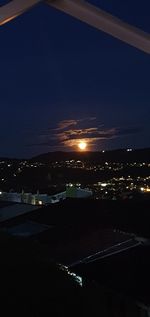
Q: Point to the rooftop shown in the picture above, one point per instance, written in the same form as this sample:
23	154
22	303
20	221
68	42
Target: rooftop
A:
126	273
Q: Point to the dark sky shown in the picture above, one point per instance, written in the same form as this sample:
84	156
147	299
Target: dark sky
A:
54	68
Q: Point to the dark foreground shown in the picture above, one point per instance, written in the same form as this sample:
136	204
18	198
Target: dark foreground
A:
105	243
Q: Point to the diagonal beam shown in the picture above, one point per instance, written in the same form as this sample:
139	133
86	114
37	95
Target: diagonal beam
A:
87	13
105	22
14	8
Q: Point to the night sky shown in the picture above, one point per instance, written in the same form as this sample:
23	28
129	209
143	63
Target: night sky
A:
62	80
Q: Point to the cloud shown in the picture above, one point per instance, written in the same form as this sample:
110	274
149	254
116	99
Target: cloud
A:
91	135
65	124
69	133
62	125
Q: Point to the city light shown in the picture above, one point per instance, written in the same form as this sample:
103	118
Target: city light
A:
145	190
103	184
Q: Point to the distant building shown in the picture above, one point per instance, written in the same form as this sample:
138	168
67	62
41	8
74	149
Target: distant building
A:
33	199
75	192
44	199
14	197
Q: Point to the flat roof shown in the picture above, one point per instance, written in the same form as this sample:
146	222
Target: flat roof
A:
26	229
9	211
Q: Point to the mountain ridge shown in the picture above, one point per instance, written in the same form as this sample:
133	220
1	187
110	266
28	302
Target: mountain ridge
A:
118	155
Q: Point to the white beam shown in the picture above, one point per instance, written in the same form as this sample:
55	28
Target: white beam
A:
103	21
14	8
87	13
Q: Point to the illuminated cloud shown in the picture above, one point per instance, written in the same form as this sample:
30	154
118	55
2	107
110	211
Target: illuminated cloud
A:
91	135
66	124
69	123
69	133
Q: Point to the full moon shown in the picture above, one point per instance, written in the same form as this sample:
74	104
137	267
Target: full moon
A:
82	145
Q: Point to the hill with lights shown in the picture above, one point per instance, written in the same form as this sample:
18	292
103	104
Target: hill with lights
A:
120	155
